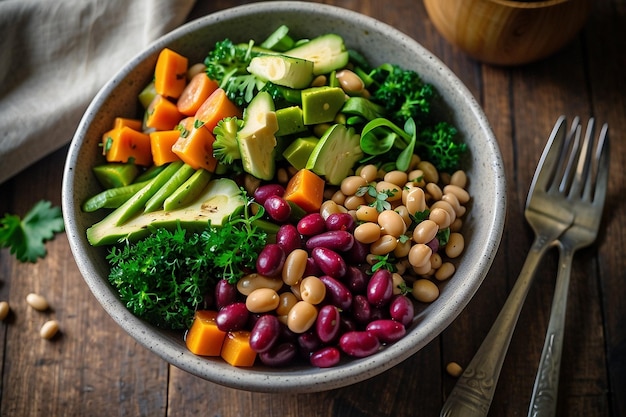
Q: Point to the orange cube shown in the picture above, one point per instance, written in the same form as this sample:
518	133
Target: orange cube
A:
161	143
236	349
127	145
204	338
162	114
195	148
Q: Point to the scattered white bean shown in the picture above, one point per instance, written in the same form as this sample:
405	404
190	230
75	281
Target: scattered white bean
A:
49	329
36	301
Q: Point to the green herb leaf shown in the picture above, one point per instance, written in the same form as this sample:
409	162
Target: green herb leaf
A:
26	237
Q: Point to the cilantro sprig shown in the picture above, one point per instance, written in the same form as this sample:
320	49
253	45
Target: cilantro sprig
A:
26	237
164	277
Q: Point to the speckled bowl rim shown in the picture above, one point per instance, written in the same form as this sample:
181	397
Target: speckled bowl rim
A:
485	223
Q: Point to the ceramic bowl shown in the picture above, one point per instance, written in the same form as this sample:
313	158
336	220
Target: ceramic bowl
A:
379	43
504	32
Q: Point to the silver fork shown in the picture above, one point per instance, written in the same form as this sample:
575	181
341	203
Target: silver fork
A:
549	214
586	184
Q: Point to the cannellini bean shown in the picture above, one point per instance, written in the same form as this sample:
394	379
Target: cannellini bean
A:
366	214
36	301
396	177
441	217
367	232
368	172
425	290
262	300
286	301
451	199
415	200
398	281
454	369
417	177
430	172
312	290
394	191
329	207
301	317
338	197
49	329
459	178
456	225
434	191
391	223
4	310
435	261
384	245
353	202
420	254
294	267
351	184
402	248
455	245
446	206
350	82
404	213
445	271
425	231
318	81
460	193
254	281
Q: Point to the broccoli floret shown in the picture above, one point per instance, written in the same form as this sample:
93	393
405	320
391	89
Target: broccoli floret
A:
402	92
440	146
226	147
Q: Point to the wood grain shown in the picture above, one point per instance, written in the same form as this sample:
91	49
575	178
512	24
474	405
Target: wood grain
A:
94	369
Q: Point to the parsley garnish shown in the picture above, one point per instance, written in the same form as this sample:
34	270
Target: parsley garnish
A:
380	202
26	237
164	277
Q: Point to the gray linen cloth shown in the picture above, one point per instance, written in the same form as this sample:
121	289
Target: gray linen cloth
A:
54	57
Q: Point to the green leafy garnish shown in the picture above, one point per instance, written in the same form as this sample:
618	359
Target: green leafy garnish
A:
380	202
384	262
26	237
164	277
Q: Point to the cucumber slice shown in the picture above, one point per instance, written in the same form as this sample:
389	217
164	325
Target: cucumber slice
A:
282	70
336	153
328	53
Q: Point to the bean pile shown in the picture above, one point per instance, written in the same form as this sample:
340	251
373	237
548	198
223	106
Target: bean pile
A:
337	282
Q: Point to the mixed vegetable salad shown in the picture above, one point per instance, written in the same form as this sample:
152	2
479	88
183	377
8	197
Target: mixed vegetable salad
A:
281	201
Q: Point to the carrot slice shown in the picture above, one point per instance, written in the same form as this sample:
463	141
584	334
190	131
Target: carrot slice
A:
216	107
204	338
162	114
195	148
195	93
306	190
236	349
170	73
161	143
125	145
122	121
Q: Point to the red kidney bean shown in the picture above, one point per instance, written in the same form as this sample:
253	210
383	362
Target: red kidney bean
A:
232	317
380	288
308	342
264	191
337	294
225	293
277	208
326	357
434	245
340	221
288	238
357	254
280	355
348	324
359	343
327	323
337	240
270	260
356	280
361	309
386	331
329	261
265	333
311	224
312	268
401	309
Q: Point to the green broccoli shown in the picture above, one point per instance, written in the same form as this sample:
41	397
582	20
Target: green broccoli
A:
228	64
226	147
402	92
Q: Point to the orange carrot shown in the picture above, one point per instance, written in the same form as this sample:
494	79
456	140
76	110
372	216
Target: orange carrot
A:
170	74
195	93
195	148
203	337
236	349
132	123
126	144
306	190
162	114
216	107
161	142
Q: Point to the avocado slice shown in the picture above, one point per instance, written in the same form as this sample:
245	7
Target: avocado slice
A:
257	138
336	153
219	200
282	70
328	53
321	104
298	151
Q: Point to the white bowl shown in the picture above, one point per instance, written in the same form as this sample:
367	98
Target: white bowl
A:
379	43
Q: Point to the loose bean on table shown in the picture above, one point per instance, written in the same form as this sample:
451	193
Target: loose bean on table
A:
37	301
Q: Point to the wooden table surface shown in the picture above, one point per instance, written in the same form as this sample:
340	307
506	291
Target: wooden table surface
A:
95	369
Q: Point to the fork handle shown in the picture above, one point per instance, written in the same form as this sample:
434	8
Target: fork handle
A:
545	391
473	392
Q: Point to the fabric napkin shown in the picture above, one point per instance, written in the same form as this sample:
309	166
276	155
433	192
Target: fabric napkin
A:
56	55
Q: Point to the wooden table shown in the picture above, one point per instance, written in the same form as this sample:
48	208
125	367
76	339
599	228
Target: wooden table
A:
95	369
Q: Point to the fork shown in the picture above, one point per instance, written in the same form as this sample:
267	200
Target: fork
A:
549	214
587	187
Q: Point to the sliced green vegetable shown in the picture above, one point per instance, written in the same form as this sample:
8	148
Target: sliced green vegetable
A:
173	183
189	191
335	154
299	151
321	104
282	70
113	175
328	53
113	197
279	40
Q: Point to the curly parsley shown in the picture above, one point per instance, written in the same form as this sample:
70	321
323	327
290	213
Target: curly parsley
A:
164	277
